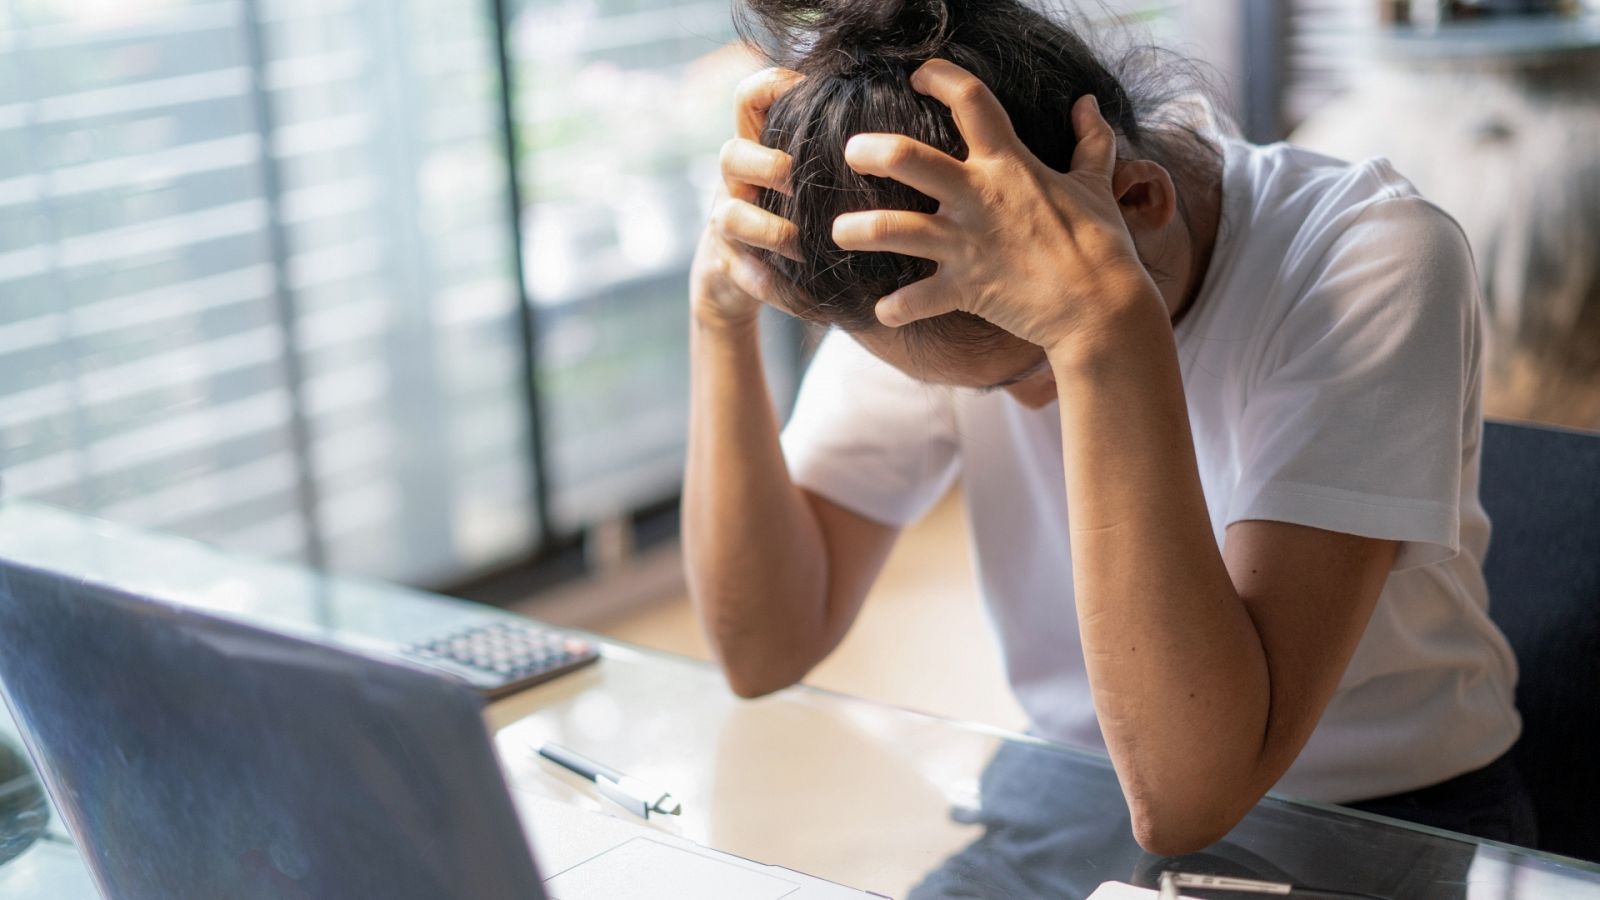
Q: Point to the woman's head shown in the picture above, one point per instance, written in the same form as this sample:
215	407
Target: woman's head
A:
857	56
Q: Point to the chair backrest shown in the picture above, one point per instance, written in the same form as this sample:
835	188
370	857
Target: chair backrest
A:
1541	488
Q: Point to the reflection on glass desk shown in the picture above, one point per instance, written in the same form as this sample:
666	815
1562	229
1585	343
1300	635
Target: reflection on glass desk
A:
864	794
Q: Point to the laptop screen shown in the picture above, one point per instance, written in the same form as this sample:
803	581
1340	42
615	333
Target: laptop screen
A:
193	756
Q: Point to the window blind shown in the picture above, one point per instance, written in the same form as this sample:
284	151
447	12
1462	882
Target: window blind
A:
621	109
255	278
1323	47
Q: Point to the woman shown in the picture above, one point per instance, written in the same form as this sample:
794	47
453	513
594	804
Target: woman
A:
1224	506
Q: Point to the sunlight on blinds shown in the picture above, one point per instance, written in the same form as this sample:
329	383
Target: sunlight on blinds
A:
256	277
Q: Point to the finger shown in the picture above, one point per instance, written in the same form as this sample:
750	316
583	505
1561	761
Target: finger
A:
912	163
746	163
919	300
980	118
751	276
1096	153
756	94
891	231
742	221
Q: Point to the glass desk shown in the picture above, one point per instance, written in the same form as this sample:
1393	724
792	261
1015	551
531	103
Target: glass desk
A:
871	796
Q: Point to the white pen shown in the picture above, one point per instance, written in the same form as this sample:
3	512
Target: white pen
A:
624	790
1173	882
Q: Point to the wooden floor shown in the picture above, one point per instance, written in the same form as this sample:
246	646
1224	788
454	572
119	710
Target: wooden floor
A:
921	642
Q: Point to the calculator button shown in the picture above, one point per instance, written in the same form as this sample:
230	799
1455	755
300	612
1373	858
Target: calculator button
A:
508	654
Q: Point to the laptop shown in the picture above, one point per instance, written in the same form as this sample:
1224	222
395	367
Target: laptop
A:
191	755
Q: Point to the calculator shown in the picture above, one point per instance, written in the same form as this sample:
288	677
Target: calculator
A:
500	658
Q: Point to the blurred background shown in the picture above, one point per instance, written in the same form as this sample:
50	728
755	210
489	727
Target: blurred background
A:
397	288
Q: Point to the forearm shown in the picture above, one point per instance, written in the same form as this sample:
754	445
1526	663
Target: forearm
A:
1179	676
756	567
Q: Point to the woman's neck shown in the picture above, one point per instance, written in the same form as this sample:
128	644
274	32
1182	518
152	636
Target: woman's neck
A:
1184	254
1200	215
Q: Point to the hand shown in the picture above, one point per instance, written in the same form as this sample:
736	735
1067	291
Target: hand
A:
1039	253
727	283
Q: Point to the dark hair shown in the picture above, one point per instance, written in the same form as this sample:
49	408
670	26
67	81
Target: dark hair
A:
857	56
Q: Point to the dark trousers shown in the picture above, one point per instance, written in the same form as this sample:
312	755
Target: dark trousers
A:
1056	825
1491	802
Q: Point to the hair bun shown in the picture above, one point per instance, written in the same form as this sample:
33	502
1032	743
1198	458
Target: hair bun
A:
829	36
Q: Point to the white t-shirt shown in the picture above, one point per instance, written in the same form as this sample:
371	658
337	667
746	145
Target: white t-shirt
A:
1331	365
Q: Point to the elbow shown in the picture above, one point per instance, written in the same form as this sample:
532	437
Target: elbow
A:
1163	837
754	670
755	662
1175	829
748	683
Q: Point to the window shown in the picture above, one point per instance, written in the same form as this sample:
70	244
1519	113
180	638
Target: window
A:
256	277
621	109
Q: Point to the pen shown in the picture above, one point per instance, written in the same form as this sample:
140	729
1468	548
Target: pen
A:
1172	881
626	791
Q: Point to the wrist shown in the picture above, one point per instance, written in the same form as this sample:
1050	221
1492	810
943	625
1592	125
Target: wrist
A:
1133	323
710	317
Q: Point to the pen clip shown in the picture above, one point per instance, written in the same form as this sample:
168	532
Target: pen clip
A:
620	795
1175	881
637	797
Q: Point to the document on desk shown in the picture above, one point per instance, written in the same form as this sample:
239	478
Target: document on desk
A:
643	867
586	855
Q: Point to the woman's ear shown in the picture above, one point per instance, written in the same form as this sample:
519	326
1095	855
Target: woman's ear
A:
1144	191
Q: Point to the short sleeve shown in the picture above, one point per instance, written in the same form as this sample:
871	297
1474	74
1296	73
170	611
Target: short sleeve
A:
1367	397
869	437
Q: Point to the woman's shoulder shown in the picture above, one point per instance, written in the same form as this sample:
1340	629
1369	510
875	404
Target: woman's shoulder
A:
1307	204
1337	256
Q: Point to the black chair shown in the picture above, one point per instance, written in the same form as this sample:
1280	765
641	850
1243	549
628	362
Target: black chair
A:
1541	487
